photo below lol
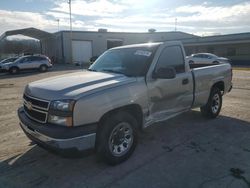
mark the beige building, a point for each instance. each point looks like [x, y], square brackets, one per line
[80, 46]
[86, 44]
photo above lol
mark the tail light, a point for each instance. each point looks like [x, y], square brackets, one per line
[49, 60]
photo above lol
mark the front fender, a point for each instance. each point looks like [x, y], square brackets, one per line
[91, 108]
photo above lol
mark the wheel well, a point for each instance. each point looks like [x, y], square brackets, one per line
[44, 65]
[220, 85]
[14, 67]
[133, 109]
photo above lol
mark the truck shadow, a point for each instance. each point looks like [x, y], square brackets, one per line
[37, 167]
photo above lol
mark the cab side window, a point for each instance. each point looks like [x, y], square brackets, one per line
[24, 60]
[32, 59]
[172, 56]
[38, 59]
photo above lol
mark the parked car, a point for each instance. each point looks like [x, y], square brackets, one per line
[4, 61]
[127, 89]
[8, 60]
[206, 58]
[40, 62]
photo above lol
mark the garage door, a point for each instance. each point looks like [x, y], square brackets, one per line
[82, 51]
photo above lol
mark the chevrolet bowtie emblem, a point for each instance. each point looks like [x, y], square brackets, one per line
[29, 105]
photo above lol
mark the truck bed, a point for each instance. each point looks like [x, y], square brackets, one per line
[205, 76]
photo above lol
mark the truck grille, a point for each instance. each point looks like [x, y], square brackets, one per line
[36, 109]
[39, 103]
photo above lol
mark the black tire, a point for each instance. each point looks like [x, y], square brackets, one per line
[14, 70]
[191, 62]
[214, 104]
[43, 68]
[108, 138]
[215, 62]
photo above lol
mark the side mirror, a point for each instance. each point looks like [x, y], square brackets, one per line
[164, 73]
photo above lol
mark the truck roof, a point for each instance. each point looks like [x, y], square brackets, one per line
[138, 45]
[148, 44]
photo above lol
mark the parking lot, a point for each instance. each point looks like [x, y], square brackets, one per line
[187, 151]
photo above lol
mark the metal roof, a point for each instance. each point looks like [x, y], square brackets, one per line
[30, 32]
[230, 38]
[169, 34]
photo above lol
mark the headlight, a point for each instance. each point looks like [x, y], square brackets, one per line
[61, 112]
[63, 105]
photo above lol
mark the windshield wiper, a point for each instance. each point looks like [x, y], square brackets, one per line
[113, 71]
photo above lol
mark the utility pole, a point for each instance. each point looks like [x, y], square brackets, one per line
[70, 18]
[58, 23]
[70, 23]
[175, 24]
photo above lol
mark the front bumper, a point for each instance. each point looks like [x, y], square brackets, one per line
[56, 137]
[2, 69]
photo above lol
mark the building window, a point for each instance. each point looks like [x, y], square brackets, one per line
[111, 43]
[231, 52]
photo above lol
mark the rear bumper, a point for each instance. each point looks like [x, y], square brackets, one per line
[64, 142]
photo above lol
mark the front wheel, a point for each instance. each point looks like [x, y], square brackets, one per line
[43, 68]
[117, 138]
[13, 70]
[213, 106]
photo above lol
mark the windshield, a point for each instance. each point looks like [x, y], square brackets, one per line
[7, 60]
[128, 61]
[18, 59]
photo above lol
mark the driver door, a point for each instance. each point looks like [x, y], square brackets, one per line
[24, 63]
[168, 97]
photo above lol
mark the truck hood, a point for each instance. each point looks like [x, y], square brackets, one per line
[75, 85]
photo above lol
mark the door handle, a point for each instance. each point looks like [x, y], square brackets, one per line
[185, 81]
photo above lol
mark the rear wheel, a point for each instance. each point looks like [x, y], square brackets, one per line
[14, 70]
[117, 138]
[215, 62]
[213, 106]
[43, 68]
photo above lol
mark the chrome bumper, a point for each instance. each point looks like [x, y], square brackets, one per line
[79, 143]
[76, 143]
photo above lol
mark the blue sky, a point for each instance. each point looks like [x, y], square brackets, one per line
[193, 16]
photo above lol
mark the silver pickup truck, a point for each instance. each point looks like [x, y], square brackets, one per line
[127, 89]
